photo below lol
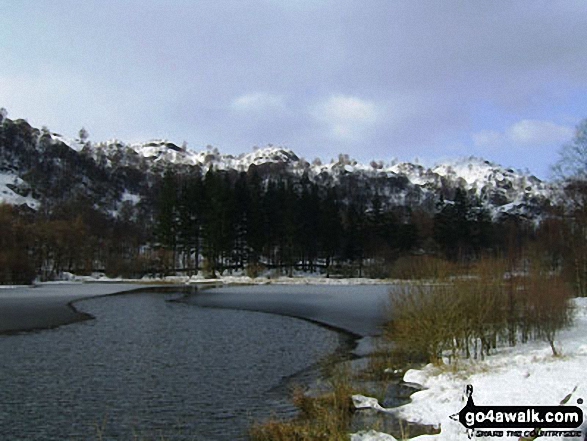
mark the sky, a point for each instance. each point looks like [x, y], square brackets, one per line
[375, 79]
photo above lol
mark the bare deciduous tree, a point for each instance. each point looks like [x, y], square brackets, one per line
[572, 164]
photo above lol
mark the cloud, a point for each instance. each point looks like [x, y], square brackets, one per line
[533, 132]
[305, 72]
[258, 102]
[524, 133]
[347, 117]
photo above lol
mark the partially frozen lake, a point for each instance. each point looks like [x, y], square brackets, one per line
[172, 370]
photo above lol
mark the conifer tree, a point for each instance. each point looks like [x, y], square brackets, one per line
[355, 235]
[330, 228]
[167, 217]
[190, 220]
[255, 223]
[308, 218]
[462, 227]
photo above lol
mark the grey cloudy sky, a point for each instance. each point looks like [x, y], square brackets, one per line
[377, 79]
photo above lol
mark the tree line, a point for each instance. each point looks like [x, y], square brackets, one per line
[190, 220]
[229, 220]
[226, 220]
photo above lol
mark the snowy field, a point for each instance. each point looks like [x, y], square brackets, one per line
[526, 375]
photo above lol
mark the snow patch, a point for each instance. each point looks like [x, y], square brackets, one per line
[73, 144]
[371, 435]
[527, 374]
[9, 182]
[363, 402]
[130, 197]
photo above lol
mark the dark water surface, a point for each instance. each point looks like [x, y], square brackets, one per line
[151, 369]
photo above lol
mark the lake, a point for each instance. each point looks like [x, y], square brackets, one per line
[149, 368]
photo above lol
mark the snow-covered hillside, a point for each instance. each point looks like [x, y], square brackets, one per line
[14, 191]
[164, 152]
[100, 166]
[503, 189]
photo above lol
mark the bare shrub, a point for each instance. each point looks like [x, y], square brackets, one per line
[547, 308]
[469, 316]
[254, 270]
[377, 270]
[128, 268]
[420, 323]
[422, 268]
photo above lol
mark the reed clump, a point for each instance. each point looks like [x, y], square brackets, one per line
[325, 417]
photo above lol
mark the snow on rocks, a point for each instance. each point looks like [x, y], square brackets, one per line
[524, 375]
[501, 189]
[363, 402]
[15, 191]
[371, 435]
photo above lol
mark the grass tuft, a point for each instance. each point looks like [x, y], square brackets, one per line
[325, 417]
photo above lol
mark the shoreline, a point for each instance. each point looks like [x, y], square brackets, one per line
[527, 374]
[37, 308]
[40, 307]
[185, 299]
[25, 309]
[43, 307]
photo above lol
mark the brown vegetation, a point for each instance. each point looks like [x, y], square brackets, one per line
[468, 316]
[423, 267]
[322, 418]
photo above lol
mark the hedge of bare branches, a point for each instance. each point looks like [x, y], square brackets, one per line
[469, 316]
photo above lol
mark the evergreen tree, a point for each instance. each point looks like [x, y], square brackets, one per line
[308, 219]
[462, 227]
[288, 241]
[190, 220]
[219, 220]
[167, 217]
[255, 222]
[355, 235]
[330, 228]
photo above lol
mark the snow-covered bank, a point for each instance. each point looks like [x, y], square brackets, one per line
[525, 375]
[299, 278]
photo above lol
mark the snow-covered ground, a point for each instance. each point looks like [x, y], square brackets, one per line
[525, 375]
[236, 278]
